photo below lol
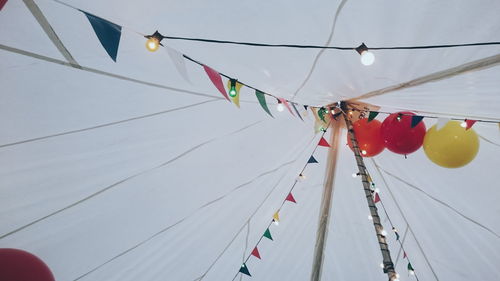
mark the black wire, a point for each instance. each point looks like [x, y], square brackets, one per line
[254, 44]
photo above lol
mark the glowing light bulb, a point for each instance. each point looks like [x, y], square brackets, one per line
[397, 275]
[152, 44]
[377, 190]
[280, 107]
[411, 272]
[383, 232]
[367, 58]
[463, 124]
[370, 217]
[232, 88]
[302, 177]
[276, 222]
[354, 175]
[381, 265]
[363, 152]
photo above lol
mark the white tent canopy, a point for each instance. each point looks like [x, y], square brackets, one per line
[126, 171]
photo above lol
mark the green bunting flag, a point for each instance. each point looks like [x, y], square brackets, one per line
[372, 115]
[321, 114]
[244, 270]
[267, 234]
[415, 119]
[262, 101]
[410, 267]
[108, 33]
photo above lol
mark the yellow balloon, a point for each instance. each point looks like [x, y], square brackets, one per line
[451, 146]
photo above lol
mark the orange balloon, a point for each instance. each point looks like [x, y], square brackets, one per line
[369, 138]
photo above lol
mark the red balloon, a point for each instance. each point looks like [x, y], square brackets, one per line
[18, 265]
[370, 140]
[399, 136]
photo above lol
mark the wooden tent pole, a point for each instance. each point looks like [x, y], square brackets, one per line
[326, 202]
[384, 249]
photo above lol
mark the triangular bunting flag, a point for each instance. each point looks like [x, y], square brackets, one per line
[285, 103]
[415, 119]
[410, 267]
[323, 142]
[179, 62]
[2, 3]
[404, 255]
[469, 123]
[305, 107]
[441, 122]
[321, 114]
[296, 111]
[312, 160]
[108, 33]
[244, 270]
[256, 253]
[376, 198]
[290, 198]
[262, 100]
[276, 216]
[397, 235]
[216, 80]
[267, 234]
[372, 115]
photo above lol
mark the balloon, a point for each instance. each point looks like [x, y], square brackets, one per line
[18, 265]
[370, 140]
[451, 146]
[399, 136]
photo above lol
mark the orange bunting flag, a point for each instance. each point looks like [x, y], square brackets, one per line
[256, 253]
[216, 80]
[323, 142]
[377, 198]
[469, 123]
[290, 198]
[285, 103]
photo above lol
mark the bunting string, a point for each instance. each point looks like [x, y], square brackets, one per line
[290, 198]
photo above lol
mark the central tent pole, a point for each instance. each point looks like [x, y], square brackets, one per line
[326, 203]
[384, 249]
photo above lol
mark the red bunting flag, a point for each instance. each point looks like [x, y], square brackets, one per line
[290, 198]
[216, 80]
[377, 198]
[2, 3]
[256, 253]
[469, 123]
[404, 255]
[323, 142]
[285, 103]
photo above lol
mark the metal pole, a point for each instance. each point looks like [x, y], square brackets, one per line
[326, 202]
[384, 249]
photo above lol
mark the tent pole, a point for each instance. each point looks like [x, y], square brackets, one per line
[326, 202]
[384, 248]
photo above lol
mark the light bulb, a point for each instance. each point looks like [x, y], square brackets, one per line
[354, 175]
[276, 222]
[383, 232]
[397, 275]
[377, 190]
[232, 88]
[463, 124]
[280, 107]
[370, 217]
[302, 177]
[363, 152]
[152, 44]
[381, 265]
[367, 58]
[411, 272]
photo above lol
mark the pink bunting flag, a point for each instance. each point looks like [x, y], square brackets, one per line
[285, 103]
[217, 80]
[404, 255]
[290, 198]
[256, 253]
[469, 123]
[2, 3]
[376, 198]
[323, 142]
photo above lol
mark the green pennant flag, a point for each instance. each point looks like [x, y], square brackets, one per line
[415, 119]
[262, 101]
[372, 115]
[244, 270]
[410, 267]
[267, 234]
[321, 114]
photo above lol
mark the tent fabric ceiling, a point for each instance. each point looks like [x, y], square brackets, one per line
[111, 179]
